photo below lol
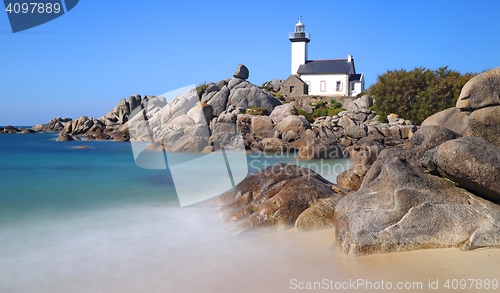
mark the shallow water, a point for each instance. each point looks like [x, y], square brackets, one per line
[90, 220]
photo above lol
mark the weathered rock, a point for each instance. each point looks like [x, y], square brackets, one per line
[405, 209]
[260, 123]
[28, 131]
[356, 132]
[281, 111]
[220, 84]
[423, 140]
[290, 136]
[37, 127]
[485, 123]
[470, 162]
[241, 72]
[219, 101]
[252, 97]
[121, 136]
[102, 136]
[319, 216]
[451, 118]
[275, 145]
[193, 144]
[298, 124]
[227, 117]
[352, 178]
[64, 137]
[10, 129]
[346, 122]
[273, 197]
[481, 91]
[88, 137]
[274, 84]
[364, 102]
[318, 148]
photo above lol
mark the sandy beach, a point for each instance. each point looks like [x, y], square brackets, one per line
[185, 250]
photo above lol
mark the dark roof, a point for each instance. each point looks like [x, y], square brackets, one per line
[325, 66]
[355, 77]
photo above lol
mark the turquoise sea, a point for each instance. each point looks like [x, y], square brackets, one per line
[90, 220]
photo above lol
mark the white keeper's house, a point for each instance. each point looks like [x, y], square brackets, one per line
[333, 77]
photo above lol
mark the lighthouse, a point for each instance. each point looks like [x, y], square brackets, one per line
[300, 38]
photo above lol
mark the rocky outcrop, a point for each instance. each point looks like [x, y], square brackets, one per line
[451, 118]
[10, 129]
[64, 137]
[253, 96]
[273, 198]
[477, 109]
[365, 102]
[274, 84]
[439, 190]
[241, 72]
[470, 162]
[56, 124]
[481, 91]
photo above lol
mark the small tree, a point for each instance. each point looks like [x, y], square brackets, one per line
[417, 94]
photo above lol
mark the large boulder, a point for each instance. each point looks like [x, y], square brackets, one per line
[399, 207]
[485, 123]
[365, 102]
[404, 209]
[241, 72]
[252, 97]
[219, 101]
[273, 197]
[10, 129]
[274, 84]
[298, 124]
[64, 137]
[481, 91]
[318, 148]
[352, 178]
[470, 162]
[260, 123]
[451, 118]
[281, 111]
[187, 143]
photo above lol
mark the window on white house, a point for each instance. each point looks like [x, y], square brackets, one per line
[322, 86]
[353, 87]
[339, 86]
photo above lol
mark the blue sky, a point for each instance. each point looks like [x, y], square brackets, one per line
[84, 62]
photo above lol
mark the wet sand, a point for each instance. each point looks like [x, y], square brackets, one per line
[157, 249]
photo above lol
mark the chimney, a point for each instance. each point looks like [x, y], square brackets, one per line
[349, 58]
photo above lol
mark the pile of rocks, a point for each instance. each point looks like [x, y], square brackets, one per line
[192, 123]
[438, 189]
[11, 129]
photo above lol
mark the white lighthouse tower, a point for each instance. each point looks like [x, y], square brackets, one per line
[300, 38]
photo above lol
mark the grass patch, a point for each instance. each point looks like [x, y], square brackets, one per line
[259, 111]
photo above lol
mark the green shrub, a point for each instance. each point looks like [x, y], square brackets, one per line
[320, 104]
[265, 87]
[336, 111]
[308, 116]
[201, 89]
[336, 105]
[417, 94]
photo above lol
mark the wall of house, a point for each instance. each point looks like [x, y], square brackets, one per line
[299, 55]
[314, 80]
[357, 88]
[299, 89]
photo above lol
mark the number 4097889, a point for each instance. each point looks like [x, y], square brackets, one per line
[34, 8]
